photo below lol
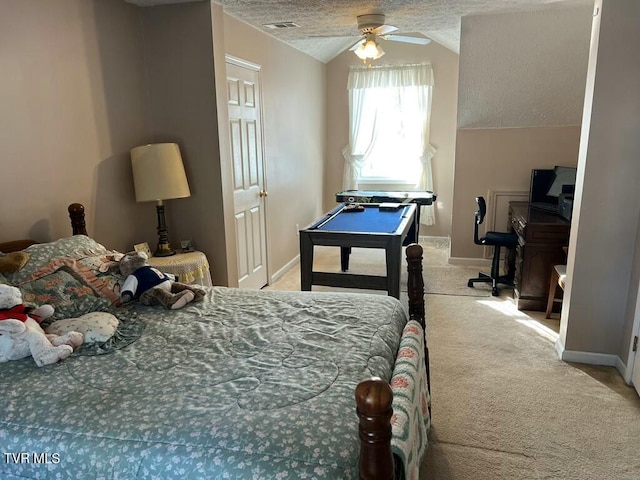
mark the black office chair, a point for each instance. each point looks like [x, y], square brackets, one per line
[497, 239]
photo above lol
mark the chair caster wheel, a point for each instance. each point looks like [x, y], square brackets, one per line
[495, 292]
[470, 284]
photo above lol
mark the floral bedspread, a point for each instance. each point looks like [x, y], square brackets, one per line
[247, 384]
[411, 418]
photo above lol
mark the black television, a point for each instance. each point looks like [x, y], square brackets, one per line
[548, 184]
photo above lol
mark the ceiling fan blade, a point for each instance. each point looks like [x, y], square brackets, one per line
[356, 45]
[333, 36]
[407, 39]
[384, 29]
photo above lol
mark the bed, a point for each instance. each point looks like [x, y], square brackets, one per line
[246, 384]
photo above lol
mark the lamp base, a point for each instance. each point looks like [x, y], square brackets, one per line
[164, 250]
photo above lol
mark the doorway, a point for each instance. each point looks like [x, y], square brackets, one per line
[249, 191]
[633, 360]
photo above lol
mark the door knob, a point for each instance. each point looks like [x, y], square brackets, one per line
[263, 193]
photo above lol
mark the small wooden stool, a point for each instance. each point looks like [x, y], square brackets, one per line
[558, 277]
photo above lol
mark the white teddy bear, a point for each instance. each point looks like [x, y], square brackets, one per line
[22, 336]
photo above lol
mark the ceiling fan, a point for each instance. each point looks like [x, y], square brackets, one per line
[372, 27]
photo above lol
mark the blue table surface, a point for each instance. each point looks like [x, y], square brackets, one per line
[389, 194]
[370, 220]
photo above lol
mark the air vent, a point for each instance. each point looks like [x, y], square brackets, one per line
[274, 26]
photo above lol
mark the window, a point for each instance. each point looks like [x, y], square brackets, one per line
[389, 109]
[397, 142]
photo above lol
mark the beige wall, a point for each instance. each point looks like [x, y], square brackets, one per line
[87, 81]
[185, 46]
[500, 160]
[443, 109]
[293, 94]
[603, 268]
[72, 96]
[179, 61]
[522, 80]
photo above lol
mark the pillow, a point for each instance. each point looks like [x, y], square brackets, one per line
[96, 326]
[41, 254]
[67, 274]
[69, 296]
[104, 268]
[12, 262]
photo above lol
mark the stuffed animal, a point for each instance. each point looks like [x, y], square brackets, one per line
[21, 335]
[12, 262]
[151, 286]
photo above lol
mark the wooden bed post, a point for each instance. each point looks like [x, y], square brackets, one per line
[76, 214]
[373, 398]
[415, 290]
[415, 283]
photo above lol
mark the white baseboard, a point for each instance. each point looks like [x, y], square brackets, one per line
[559, 348]
[470, 262]
[432, 238]
[590, 358]
[288, 266]
[622, 368]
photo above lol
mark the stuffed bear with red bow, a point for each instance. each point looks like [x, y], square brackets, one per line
[21, 335]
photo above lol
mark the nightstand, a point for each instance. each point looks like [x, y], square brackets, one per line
[189, 267]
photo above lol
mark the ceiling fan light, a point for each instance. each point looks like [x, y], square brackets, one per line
[360, 52]
[370, 49]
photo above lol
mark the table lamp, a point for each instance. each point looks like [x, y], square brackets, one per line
[158, 174]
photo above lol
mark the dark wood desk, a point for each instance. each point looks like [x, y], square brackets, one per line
[541, 238]
[371, 228]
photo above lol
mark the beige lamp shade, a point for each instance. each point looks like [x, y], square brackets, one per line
[158, 172]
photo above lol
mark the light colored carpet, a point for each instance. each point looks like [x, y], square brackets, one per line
[450, 280]
[504, 406]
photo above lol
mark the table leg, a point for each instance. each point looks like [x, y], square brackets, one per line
[393, 252]
[306, 261]
[344, 258]
[417, 224]
[413, 235]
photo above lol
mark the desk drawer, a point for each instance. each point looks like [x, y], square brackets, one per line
[547, 235]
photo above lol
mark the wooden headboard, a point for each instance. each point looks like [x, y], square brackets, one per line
[15, 245]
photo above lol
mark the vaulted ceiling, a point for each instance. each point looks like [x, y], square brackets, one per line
[325, 28]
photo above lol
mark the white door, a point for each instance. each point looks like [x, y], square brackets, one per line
[633, 360]
[243, 91]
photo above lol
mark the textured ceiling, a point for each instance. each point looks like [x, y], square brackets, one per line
[335, 20]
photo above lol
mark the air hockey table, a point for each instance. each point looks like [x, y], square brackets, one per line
[422, 197]
[369, 226]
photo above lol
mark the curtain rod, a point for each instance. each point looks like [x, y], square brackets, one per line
[404, 65]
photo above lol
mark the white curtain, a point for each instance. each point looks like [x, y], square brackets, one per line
[362, 125]
[414, 84]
